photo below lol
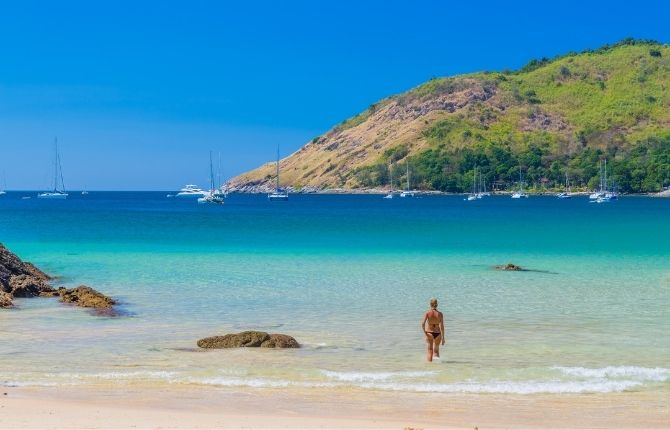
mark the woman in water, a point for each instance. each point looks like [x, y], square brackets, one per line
[435, 331]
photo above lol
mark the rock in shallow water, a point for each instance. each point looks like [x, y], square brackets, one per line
[510, 267]
[249, 339]
[85, 297]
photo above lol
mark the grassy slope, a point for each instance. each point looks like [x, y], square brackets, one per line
[549, 118]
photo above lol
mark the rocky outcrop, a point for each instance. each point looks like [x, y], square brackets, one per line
[249, 339]
[22, 279]
[510, 267]
[86, 297]
[5, 300]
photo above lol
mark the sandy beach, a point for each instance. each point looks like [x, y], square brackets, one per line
[154, 407]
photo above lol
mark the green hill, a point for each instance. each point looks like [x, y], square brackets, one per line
[551, 117]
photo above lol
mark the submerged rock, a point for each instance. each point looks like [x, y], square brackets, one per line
[249, 339]
[85, 297]
[510, 267]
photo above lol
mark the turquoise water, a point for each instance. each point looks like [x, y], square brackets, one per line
[349, 276]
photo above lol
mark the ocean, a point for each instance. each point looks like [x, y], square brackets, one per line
[349, 276]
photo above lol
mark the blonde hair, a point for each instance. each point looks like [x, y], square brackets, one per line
[433, 303]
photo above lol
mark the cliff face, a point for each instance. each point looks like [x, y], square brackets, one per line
[550, 118]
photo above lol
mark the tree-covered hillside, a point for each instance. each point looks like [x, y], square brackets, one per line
[550, 118]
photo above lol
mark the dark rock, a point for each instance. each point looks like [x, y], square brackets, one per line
[19, 278]
[249, 339]
[245, 339]
[5, 300]
[85, 297]
[22, 279]
[28, 286]
[280, 341]
[510, 267]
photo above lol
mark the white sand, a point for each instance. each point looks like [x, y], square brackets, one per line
[156, 407]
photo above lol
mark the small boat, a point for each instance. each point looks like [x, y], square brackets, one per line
[211, 197]
[407, 192]
[191, 191]
[390, 193]
[4, 184]
[520, 194]
[84, 192]
[565, 194]
[279, 194]
[57, 193]
[475, 188]
[25, 198]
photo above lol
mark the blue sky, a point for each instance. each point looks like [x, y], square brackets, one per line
[138, 92]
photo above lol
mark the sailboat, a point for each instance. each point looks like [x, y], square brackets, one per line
[84, 191]
[520, 194]
[4, 184]
[279, 194]
[219, 191]
[565, 194]
[211, 197]
[58, 175]
[600, 193]
[604, 194]
[475, 187]
[390, 193]
[481, 192]
[407, 192]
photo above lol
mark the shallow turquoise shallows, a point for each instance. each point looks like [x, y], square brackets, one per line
[349, 276]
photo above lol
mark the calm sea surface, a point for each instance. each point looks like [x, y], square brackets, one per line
[349, 276]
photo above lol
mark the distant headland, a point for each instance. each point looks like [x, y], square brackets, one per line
[552, 118]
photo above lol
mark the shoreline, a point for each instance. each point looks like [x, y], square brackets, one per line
[189, 407]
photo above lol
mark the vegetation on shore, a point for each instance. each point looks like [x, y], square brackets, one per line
[549, 118]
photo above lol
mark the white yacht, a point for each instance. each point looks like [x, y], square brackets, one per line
[279, 194]
[191, 191]
[58, 193]
[520, 194]
[407, 192]
[565, 194]
[211, 197]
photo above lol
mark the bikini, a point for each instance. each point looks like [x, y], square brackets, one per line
[435, 334]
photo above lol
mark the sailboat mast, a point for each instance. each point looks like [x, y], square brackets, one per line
[211, 173]
[218, 173]
[407, 163]
[277, 186]
[391, 176]
[55, 164]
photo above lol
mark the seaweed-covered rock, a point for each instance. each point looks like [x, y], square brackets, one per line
[5, 300]
[85, 297]
[249, 339]
[280, 341]
[510, 267]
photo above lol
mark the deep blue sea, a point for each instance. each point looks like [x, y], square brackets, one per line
[349, 276]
